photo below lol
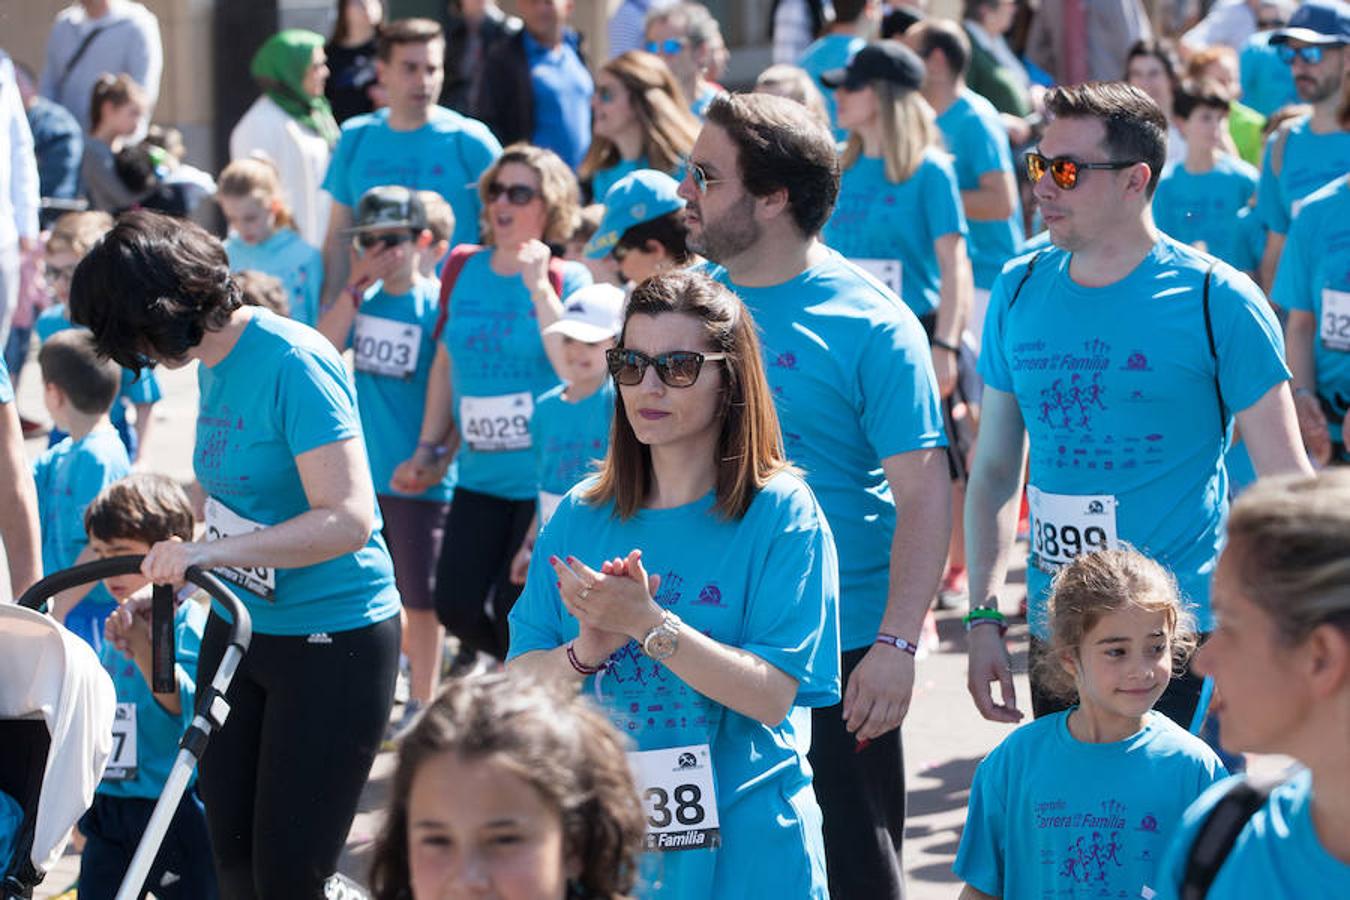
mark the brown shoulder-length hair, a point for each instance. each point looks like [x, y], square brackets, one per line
[557, 186]
[750, 445]
[668, 127]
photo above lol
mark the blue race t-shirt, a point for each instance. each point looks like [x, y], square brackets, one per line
[1278, 850]
[570, 437]
[1053, 816]
[604, 179]
[1117, 390]
[1205, 207]
[280, 392]
[68, 477]
[498, 366]
[562, 89]
[767, 584]
[830, 51]
[852, 379]
[699, 105]
[143, 773]
[393, 342]
[1309, 162]
[6, 386]
[284, 255]
[1314, 277]
[876, 219]
[975, 135]
[447, 155]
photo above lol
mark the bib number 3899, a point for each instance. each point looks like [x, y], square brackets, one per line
[678, 797]
[1065, 526]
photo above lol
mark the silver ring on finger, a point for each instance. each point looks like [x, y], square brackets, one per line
[584, 591]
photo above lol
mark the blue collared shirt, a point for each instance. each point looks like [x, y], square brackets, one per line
[562, 98]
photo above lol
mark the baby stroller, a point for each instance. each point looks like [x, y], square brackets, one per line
[57, 707]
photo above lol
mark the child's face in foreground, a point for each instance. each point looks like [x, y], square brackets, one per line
[1123, 664]
[476, 829]
[120, 586]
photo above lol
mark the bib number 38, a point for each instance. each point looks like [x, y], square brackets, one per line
[1065, 526]
[678, 797]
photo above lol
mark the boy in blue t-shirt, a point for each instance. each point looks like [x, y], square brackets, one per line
[572, 421]
[128, 518]
[79, 387]
[1202, 199]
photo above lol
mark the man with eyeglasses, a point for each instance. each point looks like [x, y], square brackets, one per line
[686, 36]
[853, 381]
[412, 143]
[1115, 360]
[1308, 152]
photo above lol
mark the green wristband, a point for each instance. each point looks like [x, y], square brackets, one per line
[981, 615]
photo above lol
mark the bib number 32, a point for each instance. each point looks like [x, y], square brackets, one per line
[678, 797]
[1065, 526]
[1335, 331]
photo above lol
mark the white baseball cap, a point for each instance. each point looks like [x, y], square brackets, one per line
[591, 314]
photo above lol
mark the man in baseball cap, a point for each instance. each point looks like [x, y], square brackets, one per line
[642, 227]
[1320, 23]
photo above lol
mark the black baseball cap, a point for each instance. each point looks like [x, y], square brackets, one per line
[878, 61]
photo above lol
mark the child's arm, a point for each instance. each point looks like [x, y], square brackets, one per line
[969, 893]
[144, 415]
[128, 628]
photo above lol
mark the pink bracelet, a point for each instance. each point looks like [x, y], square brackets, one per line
[898, 643]
[580, 667]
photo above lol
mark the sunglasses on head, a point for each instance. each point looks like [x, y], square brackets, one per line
[390, 240]
[516, 194]
[677, 369]
[1065, 169]
[669, 47]
[1312, 54]
[699, 175]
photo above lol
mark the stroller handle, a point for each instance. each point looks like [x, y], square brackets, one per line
[241, 629]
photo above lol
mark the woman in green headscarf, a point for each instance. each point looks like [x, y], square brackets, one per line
[291, 124]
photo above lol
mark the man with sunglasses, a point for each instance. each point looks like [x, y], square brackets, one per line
[686, 36]
[1310, 151]
[1115, 361]
[852, 377]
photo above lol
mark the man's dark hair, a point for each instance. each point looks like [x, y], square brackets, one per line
[141, 507]
[70, 361]
[669, 231]
[900, 19]
[152, 285]
[1193, 95]
[946, 36]
[846, 12]
[1136, 129]
[781, 146]
[406, 31]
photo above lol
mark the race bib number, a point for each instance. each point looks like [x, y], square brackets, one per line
[548, 505]
[1064, 526]
[221, 522]
[676, 785]
[386, 347]
[888, 271]
[122, 763]
[1335, 319]
[497, 424]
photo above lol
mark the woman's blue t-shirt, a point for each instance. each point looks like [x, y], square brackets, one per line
[767, 584]
[280, 392]
[498, 366]
[878, 219]
[286, 256]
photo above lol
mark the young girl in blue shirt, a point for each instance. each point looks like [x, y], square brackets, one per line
[1081, 803]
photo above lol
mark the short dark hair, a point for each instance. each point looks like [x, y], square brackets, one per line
[946, 36]
[847, 12]
[669, 231]
[71, 361]
[406, 31]
[141, 507]
[781, 146]
[1193, 95]
[153, 285]
[1136, 128]
[900, 19]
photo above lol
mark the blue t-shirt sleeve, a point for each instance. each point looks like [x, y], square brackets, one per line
[1270, 205]
[537, 617]
[993, 365]
[1172, 870]
[942, 202]
[1291, 289]
[314, 402]
[987, 150]
[575, 277]
[335, 180]
[141, 386]
[1247, 338]
[901, 409]
[791, 619]
[980, 859]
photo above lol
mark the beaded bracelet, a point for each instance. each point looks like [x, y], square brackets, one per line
[981, 615]
[580, 667]
[898, 643]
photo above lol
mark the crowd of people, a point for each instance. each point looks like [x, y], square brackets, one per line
[629, 429]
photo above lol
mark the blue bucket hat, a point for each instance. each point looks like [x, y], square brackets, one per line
[635, 198]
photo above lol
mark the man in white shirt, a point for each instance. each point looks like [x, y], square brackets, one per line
[18, 192]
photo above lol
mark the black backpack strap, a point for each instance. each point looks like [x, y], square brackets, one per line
[1026, 273]
[1219, 833]
[79, 53]
[1214, 354]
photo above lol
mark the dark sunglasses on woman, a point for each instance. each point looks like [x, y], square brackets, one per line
[516, 194]
[677, 369]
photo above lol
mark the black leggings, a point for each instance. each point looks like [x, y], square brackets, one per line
[474, 593]
[282, 778]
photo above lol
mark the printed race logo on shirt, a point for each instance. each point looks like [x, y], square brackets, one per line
[676, 785]
[386, 347]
